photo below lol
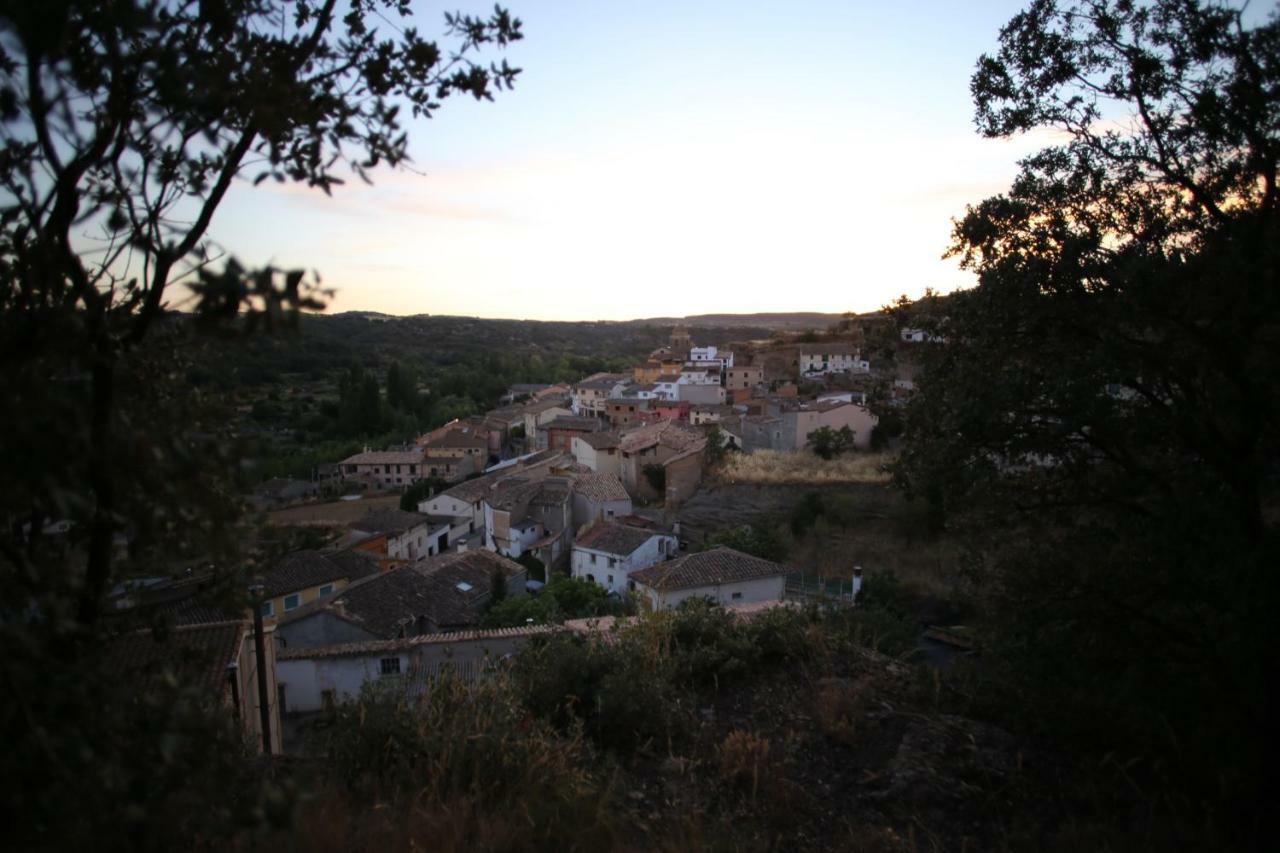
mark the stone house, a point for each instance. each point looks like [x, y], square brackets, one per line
[598, 451]
[599, 496]
[407, 535]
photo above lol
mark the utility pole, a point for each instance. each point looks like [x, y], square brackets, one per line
[260, 650]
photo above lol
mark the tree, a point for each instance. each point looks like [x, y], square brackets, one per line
[717, 447]
[830, 443]
[124, 123]
[1105, 402]
[656, 475]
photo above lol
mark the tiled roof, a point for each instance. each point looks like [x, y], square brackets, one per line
[600, 440]
[459, 438]
[371, 647]
[669, 433]
[388, 520]
[304, 569]
[600, 487]
[602, 382]
[392, 601]
[582, 424]
[708, 568]
[200, 653]
[614, 538]
[476, 489]
[539, 406]
[385, 457]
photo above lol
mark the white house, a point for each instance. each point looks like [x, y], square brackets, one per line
[722, 576]
[832, 359]
[608, 553]
[709, 355]
[315, 679]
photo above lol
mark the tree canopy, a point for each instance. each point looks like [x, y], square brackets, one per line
[1105, 399]
[123, 124]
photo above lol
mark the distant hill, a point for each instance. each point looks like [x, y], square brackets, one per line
[792, 320]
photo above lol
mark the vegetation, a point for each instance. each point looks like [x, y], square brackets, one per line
[1102, 419]
[562, 598]
[829, 443]
[770, 467]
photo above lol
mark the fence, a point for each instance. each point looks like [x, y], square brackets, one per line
[802, 585]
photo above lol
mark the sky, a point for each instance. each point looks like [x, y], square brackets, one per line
[667, 159]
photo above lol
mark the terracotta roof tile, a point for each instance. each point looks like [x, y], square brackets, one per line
[708, 568]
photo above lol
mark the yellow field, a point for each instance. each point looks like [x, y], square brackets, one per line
[768, 467]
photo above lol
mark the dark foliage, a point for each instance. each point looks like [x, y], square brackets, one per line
[1102, 417]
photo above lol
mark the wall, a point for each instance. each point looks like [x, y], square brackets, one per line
[683, 477]
[655, 550]
[701, 394]
[247, 688]
[306, 679]
[586, 510]
[761, 589]
[306, 596]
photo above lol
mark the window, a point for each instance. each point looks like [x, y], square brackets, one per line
[389, 666]
[327, 589]
[610, 580]
[593, 559]
[612, 562]
[737, 595]
[268, 609]
[291, 602]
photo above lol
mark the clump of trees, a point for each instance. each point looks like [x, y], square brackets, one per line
[830, 443]
[1102, 418]
[123, 126]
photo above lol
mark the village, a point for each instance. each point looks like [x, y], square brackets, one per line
[582, 481]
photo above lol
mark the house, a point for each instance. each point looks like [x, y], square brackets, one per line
[530, 517]
[385, 469]
[560, 432]
[461, 442]
[832, 358]
[317, 678]
[597, 496]
[304, 576]
[217, 658]
[451, 467]
[521, 391]
[442, 593]
[465, 501]
[711, 355]
[785, 425]
[700, 393]
[675, 447]
[541, 412]
[709, 414]
[721, 575]
[398, 535]
[608, 552]
[743, 377]
[598, 451]
[623, 410]
[590, 394]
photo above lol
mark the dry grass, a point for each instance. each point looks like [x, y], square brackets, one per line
[800, 467]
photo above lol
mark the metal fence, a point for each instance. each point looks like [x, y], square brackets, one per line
[803, 585]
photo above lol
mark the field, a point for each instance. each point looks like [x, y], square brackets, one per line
[800, 467]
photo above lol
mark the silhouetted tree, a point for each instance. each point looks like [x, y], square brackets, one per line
[1103, 410]
[123, 125]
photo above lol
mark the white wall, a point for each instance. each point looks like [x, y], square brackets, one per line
[655, 550]
[761, 589]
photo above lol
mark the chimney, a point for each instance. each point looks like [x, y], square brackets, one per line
[856, 584]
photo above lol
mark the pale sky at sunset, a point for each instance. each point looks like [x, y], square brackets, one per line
[668, 158]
